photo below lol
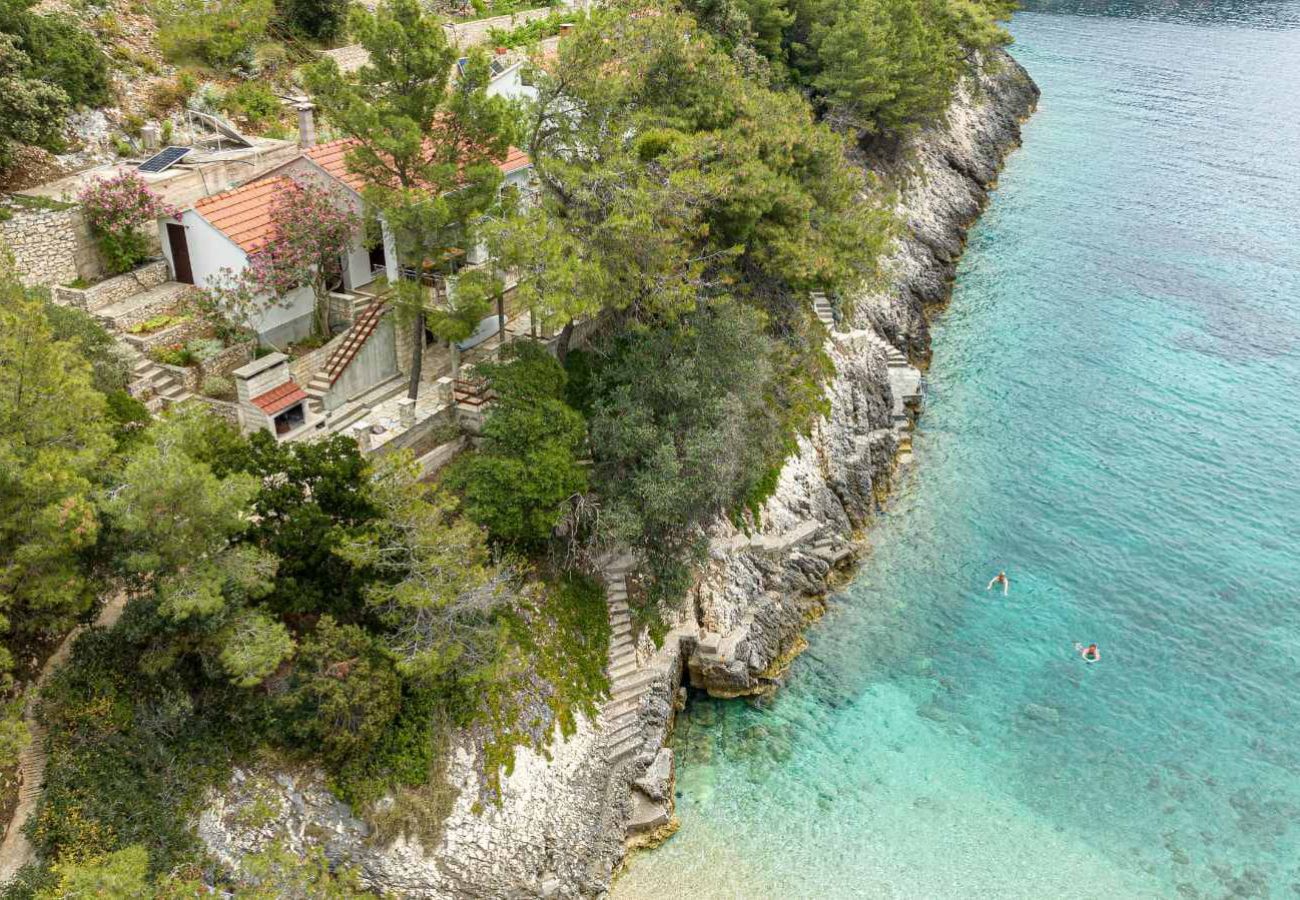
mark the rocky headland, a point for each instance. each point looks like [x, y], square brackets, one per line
[564, 824]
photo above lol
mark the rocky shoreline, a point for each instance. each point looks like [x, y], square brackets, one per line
[564, 825]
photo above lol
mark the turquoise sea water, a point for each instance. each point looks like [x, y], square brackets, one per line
[1114, 417]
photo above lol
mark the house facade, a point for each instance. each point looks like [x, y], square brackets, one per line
[218, 236]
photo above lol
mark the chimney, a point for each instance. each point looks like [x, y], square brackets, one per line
[306, 125]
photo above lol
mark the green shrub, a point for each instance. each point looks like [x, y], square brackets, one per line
[58, 52]
[529, 32]
[221, 33]
[254, 101]
[320, 20]
[204, 349]
[132, 753]
[109, 367]
[155, 323]
[218, 388]
[174, 355]
[517, 484]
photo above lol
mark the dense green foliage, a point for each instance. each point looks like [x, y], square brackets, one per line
[53, 438]
[58, 51]
[880, 67]
[221, 33]
[702, 209]
[526, 470]
[272, 874]
[319, 20]
[31, 111]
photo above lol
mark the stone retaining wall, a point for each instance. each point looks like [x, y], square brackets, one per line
[469, 34]
[51, 246]
[115, 289]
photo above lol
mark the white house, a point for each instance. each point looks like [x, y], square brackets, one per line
[220, 234]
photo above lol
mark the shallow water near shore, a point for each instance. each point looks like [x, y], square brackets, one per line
[1114, 417]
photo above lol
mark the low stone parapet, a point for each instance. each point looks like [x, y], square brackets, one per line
[112, 290]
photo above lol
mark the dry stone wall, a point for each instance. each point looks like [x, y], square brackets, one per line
[50, 246]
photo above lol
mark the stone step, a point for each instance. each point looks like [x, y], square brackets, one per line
[621, 705]
[629, 728]
[620, 618]
[625, 750]
[634, 685]
[172, 334]
[145, 305]
[623, 670]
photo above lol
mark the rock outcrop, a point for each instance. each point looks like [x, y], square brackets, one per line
[757, 593]
[563, 825]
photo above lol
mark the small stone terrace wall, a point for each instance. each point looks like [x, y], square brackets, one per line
[115, 289]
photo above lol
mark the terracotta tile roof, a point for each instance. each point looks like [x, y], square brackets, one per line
[332, 157]
[363, 326]
[515, 160]
[244, 214]
[278, 399]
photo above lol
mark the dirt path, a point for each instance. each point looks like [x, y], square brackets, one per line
[16, 851]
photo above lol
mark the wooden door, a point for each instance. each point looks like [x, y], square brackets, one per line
[180, 253]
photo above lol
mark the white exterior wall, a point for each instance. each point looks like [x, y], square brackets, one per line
[510, 84]
[211, 252]
[390, 253]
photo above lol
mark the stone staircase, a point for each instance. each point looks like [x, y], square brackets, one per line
[31, 769]
[905, 383]
[825, 312]
[364, 323]
[150, 383]
[619, 718]
[358, 408]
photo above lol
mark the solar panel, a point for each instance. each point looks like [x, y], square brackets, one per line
[163, 160]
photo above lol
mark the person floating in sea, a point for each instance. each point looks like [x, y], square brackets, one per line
[1002, 579]
[1089, 653]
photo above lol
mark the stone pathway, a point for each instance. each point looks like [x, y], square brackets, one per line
[905, 383]
[16, 851]
[627, 681]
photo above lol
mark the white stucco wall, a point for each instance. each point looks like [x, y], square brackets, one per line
[510, 84]
[211, 251]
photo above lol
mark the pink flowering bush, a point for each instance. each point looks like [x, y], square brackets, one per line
[312, 232]
[116, 209]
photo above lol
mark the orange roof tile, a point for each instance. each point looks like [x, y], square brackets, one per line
[278, 399]
[244, 214]
[515, 160]
[332, 157]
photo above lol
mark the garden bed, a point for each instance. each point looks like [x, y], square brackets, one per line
[218, 365]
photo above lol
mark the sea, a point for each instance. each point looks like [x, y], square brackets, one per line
[1113, 417]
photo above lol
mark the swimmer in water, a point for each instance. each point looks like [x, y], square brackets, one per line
[1002, 579]
[1089, 653]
